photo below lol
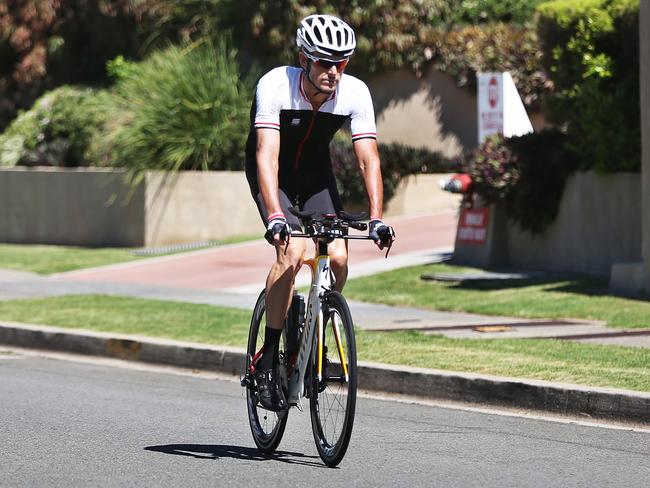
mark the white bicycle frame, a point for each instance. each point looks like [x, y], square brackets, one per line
[321, 282]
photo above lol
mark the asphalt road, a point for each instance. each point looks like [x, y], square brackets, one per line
[104, 423]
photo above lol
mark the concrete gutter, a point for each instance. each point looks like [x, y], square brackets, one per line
[560, 398]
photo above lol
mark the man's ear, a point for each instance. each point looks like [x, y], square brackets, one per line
[302, 59]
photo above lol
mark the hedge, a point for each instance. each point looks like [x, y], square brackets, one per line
[591, 50]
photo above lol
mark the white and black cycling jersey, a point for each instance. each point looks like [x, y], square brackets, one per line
[280, 103]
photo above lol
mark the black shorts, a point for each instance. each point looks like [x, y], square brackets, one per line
[320, 201]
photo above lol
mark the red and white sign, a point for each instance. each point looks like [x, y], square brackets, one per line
[473, 226]
[500, 109]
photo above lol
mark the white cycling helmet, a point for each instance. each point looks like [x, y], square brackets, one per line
[326, 36]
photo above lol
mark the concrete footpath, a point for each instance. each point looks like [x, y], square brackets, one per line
[230, 276]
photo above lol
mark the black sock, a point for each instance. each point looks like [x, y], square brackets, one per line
[271, 356]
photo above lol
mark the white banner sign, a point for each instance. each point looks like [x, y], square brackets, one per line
[500, 109]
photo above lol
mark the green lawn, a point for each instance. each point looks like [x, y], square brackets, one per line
[57, 259]
[565, 361]
[544, 297]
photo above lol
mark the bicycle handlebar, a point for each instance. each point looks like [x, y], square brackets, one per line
[330, 225]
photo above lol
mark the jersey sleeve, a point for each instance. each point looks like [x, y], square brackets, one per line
[362, 119]
[268, 102]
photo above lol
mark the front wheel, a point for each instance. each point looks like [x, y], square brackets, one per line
[333, 398]
[267, 427]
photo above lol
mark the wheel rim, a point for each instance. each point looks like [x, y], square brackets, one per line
[266, 425]
[332, 403]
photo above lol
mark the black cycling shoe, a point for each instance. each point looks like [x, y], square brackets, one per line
[269, 390]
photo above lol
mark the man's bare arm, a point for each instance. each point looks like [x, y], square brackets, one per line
[370, 167]
[267, 154]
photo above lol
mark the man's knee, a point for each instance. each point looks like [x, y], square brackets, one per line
[291, 256]
[339, 257]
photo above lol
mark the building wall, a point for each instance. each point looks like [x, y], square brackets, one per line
[599, 224]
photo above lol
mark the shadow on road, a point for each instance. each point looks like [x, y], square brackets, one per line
[206, 451]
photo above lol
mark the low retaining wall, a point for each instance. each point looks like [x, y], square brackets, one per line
[598, 225]
[94, 207]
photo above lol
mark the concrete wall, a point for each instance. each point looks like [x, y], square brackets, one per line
[69, 207]
[90, 207]
[599, 224]
[197, 206]
[644, 39]
[420, 194]
[429, 112]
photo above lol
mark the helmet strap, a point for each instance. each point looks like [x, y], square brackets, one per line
[307, 70]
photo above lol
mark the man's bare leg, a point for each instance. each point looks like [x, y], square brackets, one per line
[338, 251]
[279, 283]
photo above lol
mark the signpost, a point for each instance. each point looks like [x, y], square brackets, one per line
[500, 109]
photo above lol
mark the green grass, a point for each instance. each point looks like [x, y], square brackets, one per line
[544, 297]
[58, 259]
[595, 365]
[126, 315]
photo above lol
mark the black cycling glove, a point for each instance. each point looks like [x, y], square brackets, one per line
[382, 234]
[277, 224]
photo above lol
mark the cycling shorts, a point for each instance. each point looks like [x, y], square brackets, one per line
[323, 200]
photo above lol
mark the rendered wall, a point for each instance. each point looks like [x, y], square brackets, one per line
[89, 207]
[197, 206]
[429, 112]
[420, 194]
[599, 224]
[69, 207]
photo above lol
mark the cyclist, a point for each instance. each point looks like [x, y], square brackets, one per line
[296, 111]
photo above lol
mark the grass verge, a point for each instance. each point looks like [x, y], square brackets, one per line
[587, 364]
[543, 297]
[58, 259]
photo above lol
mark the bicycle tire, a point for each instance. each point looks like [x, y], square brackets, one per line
[267, 427]
[333, 400]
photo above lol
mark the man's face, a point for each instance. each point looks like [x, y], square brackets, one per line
[323, 73]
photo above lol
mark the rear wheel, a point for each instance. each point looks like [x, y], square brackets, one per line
[267, 427]
[333, 399]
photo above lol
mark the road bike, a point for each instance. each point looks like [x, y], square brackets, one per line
[318, 357]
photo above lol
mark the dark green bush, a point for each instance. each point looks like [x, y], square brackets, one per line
[397, 160]
[56, 132]
[544, 166]
[526, 173]
[475, 11]
[410, 34]
[182, 108]
[463, 52]
[591, 51]
[494, 170]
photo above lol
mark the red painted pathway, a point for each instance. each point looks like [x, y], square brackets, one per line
[248, 263]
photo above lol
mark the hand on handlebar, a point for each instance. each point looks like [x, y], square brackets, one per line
[278, 230]
[382, 234]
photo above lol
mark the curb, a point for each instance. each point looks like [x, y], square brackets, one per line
[604, 403]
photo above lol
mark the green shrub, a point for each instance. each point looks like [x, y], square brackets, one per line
[466, 51]
[494, 170]
[56, 131]
[544, 166]
[475, 11]
[409, 34]
[591, 51]
[397, 160]
[183, 108]
[526, 173]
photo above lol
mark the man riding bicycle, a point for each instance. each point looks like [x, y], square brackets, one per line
[295, 114]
